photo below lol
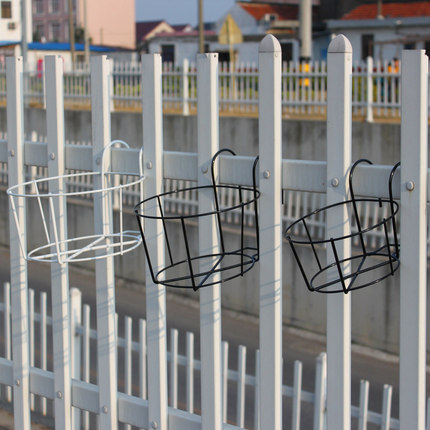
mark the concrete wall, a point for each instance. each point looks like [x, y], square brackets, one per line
[375, 310]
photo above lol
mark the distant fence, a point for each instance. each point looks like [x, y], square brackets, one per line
[376, 88]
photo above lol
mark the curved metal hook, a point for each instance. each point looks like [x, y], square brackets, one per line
[354, 206]
[102, 172]
[213, 162]
[351, 173]
[390, 191]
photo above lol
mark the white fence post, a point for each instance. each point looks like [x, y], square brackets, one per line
[105, 279]
[270, 118]
[413, 219]
[18, 265]
[155, 293]
[7, 332]
[59, 271]
[320, 392]
[337, 225]
[369, 89]
[185, 88]
[75, 346]
[210, 298]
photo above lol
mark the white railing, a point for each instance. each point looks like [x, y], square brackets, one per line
[274, 175]
[131, 348]
[375, 88]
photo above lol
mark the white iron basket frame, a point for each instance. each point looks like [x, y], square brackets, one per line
[98, 246]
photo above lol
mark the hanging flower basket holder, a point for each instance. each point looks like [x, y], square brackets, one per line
[113, 190]
[368, 266]
[186, 265]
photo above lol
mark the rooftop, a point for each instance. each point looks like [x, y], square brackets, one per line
[389, 10]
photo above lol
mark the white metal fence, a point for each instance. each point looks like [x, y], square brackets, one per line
[376, 88]
[131, 349]
[274, 175]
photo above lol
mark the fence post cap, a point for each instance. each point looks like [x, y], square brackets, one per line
[340, 45]
[270, 44]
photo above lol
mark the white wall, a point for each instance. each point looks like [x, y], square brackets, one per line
[7, 34]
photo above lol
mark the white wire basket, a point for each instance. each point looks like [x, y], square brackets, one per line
[77, 189]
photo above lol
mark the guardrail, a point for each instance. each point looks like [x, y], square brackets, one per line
[376, 88]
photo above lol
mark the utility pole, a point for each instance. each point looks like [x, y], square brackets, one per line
[71, 33]
[201, 28]
[24, 32]
[86, 38]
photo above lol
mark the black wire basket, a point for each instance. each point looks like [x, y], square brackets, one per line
[368, 266]
[186, 265]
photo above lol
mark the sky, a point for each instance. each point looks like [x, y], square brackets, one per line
[180, 11]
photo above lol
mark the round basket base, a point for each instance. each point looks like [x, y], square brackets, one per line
[205, 270]
[86, 248]
[379, 264]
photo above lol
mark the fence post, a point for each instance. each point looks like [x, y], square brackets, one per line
[155, 293]
[270, 118]
[59, 271]
[185, 88]
[105, 278]
[7, 333]
[413, 219]
[369, 89]
[338, 163]
[18, 265]
[320, 392]
[210, 298]
[75, 346]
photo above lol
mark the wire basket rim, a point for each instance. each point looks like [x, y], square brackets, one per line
[11, 190]
[349, 236]
[214, 212]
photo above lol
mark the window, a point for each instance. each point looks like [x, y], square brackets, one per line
[39, 7]
[54, 6]
[39, 33]
[410, 45]
[366, 46]
[168, 53]
[6, 9]
[54, 32]
[287, 51]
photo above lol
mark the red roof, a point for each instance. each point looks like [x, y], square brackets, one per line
[259, 10]
[390, 10]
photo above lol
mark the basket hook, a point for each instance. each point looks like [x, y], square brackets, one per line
[390, 190]
[354, 205]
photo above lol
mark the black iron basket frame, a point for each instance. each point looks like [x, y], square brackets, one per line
[391, 258]
[250, 254]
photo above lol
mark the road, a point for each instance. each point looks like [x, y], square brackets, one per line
[237, 329]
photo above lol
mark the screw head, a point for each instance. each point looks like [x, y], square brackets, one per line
[204, 169]
[12, 153]
[105, 409]
[154, 425]
[59, 395]
[266, 174]
[410, 185]
[18, 382]
[335, 182]
[52, 156]
[149, 165]
[98, 161]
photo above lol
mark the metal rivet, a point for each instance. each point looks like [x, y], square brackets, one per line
[17, 382]
[335, 182]
[12, 153]
[105, 409]
[149, 165]
[59, 394]
[266, 174]
[154, 425]
[204, 169]
[410, 185]
[52, 156]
